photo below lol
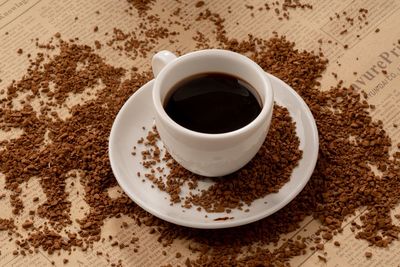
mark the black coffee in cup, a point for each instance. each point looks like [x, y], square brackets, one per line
[212, 103]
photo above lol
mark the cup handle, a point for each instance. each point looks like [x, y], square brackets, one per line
[160, 60]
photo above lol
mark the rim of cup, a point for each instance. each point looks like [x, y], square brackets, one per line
[267, 102]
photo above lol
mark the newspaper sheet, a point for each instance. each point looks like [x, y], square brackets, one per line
[357, 57]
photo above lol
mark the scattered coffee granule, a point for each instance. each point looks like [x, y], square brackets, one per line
[377, 30]
[140, 41]
[20, 51]
[65, 261]
[96, 29]
[27, 224]
[283, 10]
[322, 258]
[336, 243]
[142, 6]
[97, 44]
[368, 254]
[199, 4]
[266, 173]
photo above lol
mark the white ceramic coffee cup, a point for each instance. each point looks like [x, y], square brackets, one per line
[210, 154]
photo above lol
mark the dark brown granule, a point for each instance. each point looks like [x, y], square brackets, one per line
[178, 255]
[377, 30]
[65, 261]
[322, 258]
[20, 51]
[336, 243]
[27, 224]
[199, 4]
[368, 254]
[96, 29]
[327, 236]
[97, 44]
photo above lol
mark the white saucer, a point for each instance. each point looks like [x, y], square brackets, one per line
[138, 112]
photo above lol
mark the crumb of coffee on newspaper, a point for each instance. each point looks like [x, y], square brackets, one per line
[282, 9]
[141, 6]
[358, 165]
[266, 173]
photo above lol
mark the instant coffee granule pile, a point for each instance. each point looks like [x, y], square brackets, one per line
[355, 168]
[266, 173]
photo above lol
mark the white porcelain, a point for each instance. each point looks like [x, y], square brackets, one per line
[201, 153]
[138, 111]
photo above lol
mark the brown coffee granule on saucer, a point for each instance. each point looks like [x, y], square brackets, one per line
[266, 173]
